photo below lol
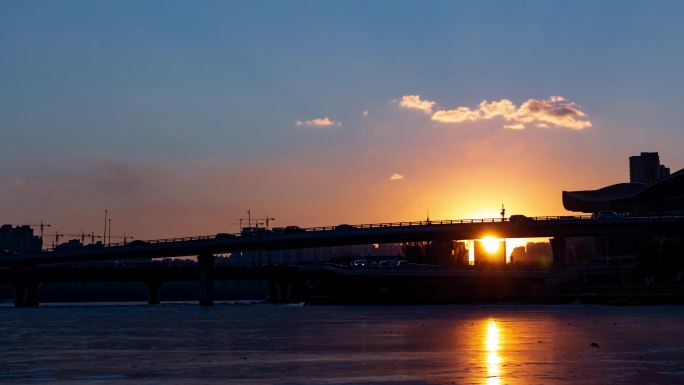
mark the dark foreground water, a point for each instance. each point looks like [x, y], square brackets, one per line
[269, 344]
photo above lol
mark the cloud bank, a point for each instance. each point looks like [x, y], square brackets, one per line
[318, 122]
[556, 111]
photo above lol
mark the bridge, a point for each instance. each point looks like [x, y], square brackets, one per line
[558, 228]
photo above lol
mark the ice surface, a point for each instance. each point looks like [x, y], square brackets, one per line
[270, 344]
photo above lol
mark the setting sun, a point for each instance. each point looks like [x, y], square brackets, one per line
[491, 244]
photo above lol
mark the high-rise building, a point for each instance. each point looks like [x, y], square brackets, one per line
[19, 239]
[664, 171]
[644, 168]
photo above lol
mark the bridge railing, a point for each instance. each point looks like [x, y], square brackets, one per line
[162, 240]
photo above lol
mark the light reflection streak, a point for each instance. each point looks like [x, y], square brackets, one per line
[492, 348]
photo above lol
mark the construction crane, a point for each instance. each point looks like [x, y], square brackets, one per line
[83, 236]
[257, 221]
[248, 219]
[266, 221]
[41, 226]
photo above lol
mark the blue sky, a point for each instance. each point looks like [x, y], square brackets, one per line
[185, 113]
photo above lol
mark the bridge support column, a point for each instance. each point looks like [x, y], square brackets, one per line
[274, 291]
[206, 279]
[153, 292]
[558, 251]
[25, 293]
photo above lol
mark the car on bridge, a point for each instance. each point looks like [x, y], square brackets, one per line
[360, 263]
[254, 231]
[520, 218]
[224, 236]
[137, 242]
[608, 215]
[288, 230]
[344, 227]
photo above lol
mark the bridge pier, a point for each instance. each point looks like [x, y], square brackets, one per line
[25, 293]
[153, 292]
[274, 291]
[206, 279]
[558, 251]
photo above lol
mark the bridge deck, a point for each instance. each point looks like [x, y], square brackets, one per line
[362, 234]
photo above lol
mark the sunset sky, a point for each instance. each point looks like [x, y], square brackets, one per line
[177, 117]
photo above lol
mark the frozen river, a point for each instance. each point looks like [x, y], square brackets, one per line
[269, 344]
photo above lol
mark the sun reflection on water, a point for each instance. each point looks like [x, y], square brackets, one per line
[492, 349]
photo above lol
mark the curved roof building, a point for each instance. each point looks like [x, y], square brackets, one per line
[663, 196]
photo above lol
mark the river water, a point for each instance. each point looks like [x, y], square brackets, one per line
[271, 344]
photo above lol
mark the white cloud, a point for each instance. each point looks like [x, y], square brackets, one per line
[457, 115]
[416, 103]
[318, 122]
[515, 126]
[555, 111]
[503, 107]
[396, 176]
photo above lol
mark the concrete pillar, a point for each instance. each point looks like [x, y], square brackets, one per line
[273, 291]
[558, 251]
[288, 291]
[206, 279]
[25, 293]
[278, 291]
[153, 292]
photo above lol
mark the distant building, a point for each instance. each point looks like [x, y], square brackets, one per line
[651, 190]
[533, 254]
[72, 244]
[439, 253]
[539, 253]
[519, 254]
[664, 171]
[19, 239]
[460, 253]
[645, 168]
